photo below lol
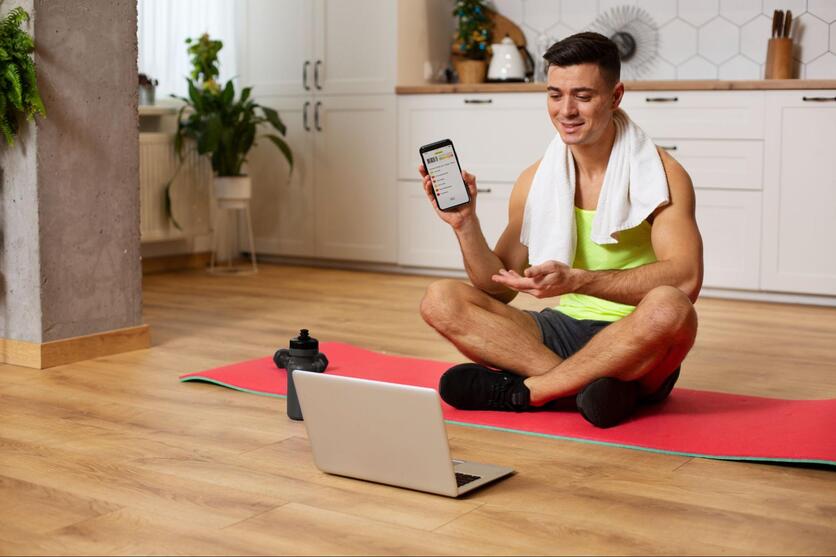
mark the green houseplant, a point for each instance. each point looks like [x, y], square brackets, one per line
[222, 126]
[474, 33]
[18, 87]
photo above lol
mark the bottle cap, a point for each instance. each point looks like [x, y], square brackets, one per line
[304, 341]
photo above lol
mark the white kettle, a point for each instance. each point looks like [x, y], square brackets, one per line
[508, 64]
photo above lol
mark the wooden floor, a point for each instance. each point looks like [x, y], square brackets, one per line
[115, 456]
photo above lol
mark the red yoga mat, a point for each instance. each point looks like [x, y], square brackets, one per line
[689, 422]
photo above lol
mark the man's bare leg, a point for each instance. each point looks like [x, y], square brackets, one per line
[646, 346]
[486, 330]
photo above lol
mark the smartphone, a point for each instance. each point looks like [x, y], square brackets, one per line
[442, 165]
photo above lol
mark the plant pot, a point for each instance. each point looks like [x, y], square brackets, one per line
[471, 71]
[232, 195]
[232, 192]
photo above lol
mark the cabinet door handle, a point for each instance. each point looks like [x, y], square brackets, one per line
[316, 74]
[668, 147]
[478, 101]
[483, 190]
[305, 116]
[661, 99]
[305, 75]
[316, 115]
[819, 99]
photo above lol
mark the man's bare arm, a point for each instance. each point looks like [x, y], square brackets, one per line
[480, 262]
[676, 242]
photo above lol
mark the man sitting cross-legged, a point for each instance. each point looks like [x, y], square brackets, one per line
[620, 211]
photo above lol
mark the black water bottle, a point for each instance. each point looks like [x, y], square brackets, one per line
[303, 354]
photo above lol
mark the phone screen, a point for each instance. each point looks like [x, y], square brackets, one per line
[443, 168]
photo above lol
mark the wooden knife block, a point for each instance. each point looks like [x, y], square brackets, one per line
[778, 59]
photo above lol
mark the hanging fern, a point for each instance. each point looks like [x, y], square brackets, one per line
[18, 86]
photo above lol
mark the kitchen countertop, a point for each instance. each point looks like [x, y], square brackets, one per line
[668, 85]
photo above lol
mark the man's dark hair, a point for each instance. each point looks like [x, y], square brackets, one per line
[586, 48]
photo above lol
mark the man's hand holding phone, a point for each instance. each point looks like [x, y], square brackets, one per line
[457, 216]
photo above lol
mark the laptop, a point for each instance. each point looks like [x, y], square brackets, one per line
[385, 433]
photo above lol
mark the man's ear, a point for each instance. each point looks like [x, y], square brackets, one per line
[618, 94]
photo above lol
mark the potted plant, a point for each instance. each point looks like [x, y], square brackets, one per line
[18, 87]
[222, 126]
[473, 37]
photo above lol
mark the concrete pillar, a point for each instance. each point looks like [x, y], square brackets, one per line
[70, 270]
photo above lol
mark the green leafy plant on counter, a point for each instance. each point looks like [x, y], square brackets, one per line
[18, 87]
[474, 28]
[222, 126]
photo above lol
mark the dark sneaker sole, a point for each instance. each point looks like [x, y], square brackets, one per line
[607, 401]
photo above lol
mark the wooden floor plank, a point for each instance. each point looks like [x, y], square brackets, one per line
[116, 456]
[304, 530]
[415, 510]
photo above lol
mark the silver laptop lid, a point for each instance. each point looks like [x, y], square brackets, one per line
[381, 432]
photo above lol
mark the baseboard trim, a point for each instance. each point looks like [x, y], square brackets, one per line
[178, 262]
[66, 351]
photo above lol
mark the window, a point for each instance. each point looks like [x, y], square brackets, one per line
[162, 29]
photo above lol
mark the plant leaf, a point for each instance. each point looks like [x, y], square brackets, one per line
[284, 148]
[273, 117]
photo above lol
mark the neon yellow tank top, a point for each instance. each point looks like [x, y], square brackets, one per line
[632, 250]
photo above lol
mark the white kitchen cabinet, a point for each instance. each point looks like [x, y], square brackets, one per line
[355, 45]
[496, 136]
[354, 178]
[427, 241]
[697, 114]
[322, 65]
[728, 164]
[283, 204]
[340, 201]
[717, 137]
[730, 222]
[799, 222]
[277, 47]
[297, 47]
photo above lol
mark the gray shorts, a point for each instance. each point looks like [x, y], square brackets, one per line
[565, 335]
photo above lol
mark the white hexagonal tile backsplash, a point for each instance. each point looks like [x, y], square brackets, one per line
[677, 42]
[719, 40]
[823, 67]
[698, 39]
[698, 12]
[824, 9]
[740, 11]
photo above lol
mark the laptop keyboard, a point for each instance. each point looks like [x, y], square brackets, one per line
[463, 479]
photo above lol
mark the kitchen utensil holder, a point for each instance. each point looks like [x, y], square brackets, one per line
[778, 59]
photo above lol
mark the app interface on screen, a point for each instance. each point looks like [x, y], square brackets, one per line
[447, 180]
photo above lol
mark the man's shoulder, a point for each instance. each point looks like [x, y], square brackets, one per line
[676, 174]
[527, 175]
[519, 195]
[524, 180]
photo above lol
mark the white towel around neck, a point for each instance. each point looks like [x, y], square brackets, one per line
[634, 186]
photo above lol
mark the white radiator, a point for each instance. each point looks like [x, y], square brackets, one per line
[190, 193]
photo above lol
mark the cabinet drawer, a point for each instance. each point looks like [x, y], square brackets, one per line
[719, 163]
[426, 241]
[730, 224]
[697, 114]
[496, 136]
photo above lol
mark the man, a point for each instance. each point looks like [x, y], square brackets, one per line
[626, 318]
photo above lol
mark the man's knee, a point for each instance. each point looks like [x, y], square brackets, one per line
[442, 301]
[667, 312]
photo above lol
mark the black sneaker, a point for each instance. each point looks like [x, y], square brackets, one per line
[608, 401]
[663, 391]
[475, 387]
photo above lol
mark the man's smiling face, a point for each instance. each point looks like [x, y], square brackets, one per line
[581, 102]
